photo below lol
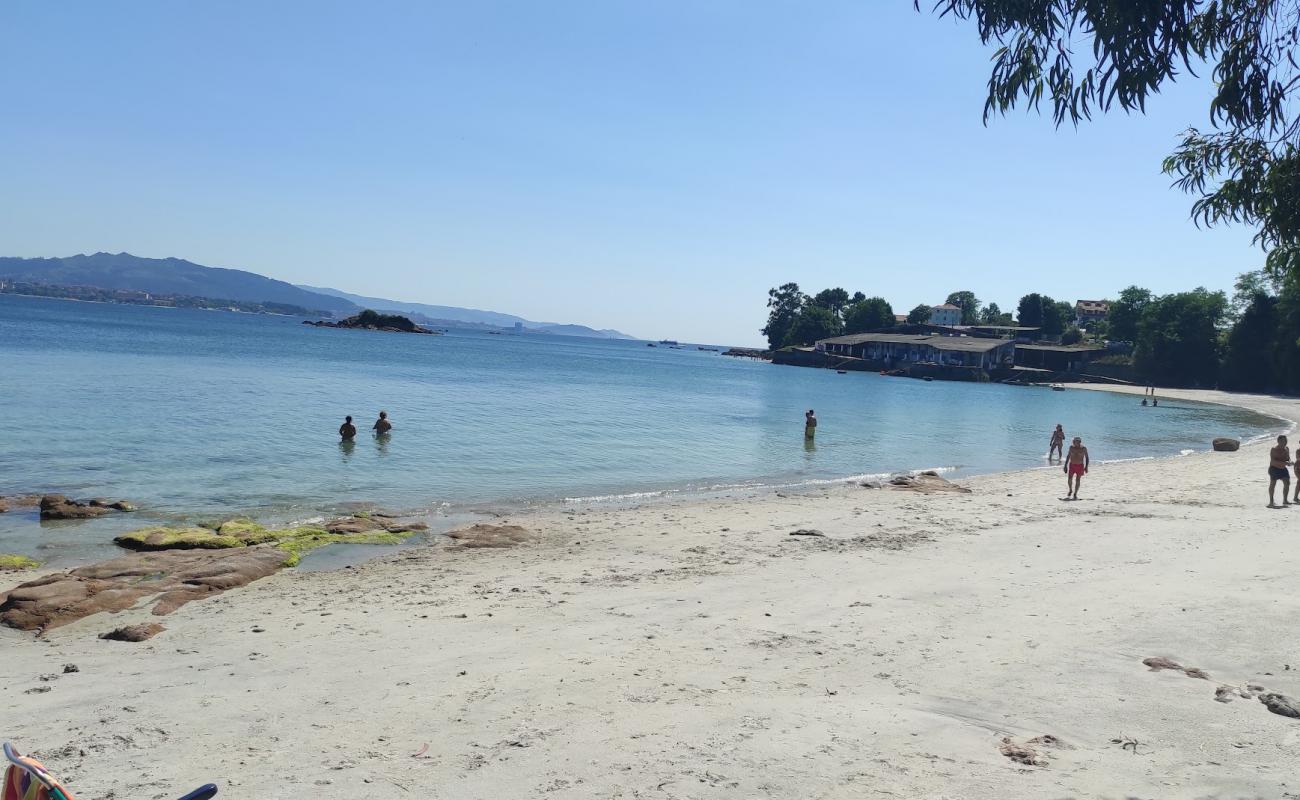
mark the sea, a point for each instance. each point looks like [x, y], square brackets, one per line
[200, 416]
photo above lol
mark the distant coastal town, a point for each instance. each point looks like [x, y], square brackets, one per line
[1194, 339]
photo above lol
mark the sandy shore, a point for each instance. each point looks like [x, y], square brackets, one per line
[695, 649]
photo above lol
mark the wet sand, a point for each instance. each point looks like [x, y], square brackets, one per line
[982, 645]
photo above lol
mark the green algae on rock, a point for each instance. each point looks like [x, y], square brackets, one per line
[13, 562]
[296, 542]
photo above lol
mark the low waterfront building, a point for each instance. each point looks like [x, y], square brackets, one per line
[946, 314]
[895, 350]
[1056, 358]
[1086, 311]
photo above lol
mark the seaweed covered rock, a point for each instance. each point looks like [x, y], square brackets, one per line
[12, 562]
[296, 541]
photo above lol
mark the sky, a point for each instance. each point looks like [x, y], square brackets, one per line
[653, 167]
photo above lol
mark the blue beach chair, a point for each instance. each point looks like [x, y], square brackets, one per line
[27, 779]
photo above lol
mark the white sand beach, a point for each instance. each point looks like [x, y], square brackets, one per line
[694, 648]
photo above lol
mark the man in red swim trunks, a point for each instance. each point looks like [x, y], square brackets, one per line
[1076, 466]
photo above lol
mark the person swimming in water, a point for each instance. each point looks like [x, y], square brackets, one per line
[347, 431]
[382, 425]
[809, 424]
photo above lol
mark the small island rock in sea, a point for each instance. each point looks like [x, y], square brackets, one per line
[374, 321]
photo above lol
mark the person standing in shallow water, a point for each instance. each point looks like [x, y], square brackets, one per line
[347, 431]
[1076, 466]
[1058, 442]
[382, 425]
[809, 424]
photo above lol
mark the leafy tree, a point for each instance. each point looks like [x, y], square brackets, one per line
[857, 297]
[969, 305]
[1057, 316]
[784, 304]
[1072, 335]
[1178, 338]
[1287, 346]
[812, 323]
[833, 300]
[1250, 347]
[1126, 312]
[1087, 55]
[869, 314]
[992, 315]
[919, 315]
[1029, 313]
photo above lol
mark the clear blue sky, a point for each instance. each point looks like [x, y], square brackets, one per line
[649, 166]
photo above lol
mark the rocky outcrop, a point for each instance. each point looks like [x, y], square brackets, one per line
[927, 482]
[57, 506]
[373, 321]
[1225, 445]
[172, 577]
[490, 536]
[377, 529]
[134, 633]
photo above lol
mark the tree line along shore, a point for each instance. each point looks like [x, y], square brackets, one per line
[1248, 341]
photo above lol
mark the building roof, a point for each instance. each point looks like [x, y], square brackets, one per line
[968, 344]
[1099, 305]
[1061, 348]
[947, 305]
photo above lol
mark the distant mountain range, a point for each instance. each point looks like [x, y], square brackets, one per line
[174, 276]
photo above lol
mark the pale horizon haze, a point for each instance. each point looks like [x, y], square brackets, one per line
[649, 167]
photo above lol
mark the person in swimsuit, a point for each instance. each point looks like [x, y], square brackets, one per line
[347, 431]
[809, 424]
[1076, 466]
[1279, 458]
[1058, 442]
[382, 425]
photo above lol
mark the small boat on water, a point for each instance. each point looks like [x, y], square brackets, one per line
[1056, 387]
[651, 344]
[668, 341]
[841, 372]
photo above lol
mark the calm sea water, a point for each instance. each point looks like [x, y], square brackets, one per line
[201, 415]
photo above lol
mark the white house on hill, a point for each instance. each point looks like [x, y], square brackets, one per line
[946, 314]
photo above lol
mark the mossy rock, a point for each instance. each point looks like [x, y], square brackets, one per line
[247, 531]
[13, 562]
[163, 538]
[300, 541]
[242, 533]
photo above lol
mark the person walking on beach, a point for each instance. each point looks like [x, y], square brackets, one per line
[347, 431]
[1058, 442]
[1279, 458]
[382, 425]
[1076, 466]
[809, 424]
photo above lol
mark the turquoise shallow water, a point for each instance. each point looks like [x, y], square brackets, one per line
[196, 415]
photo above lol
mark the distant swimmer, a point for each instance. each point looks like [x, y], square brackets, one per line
[347, 431]
[1154, 401]
[809, 424]
[1076, 466]
[1144, 402]
[382, 425]
[1279, 458]
[1058, 442]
